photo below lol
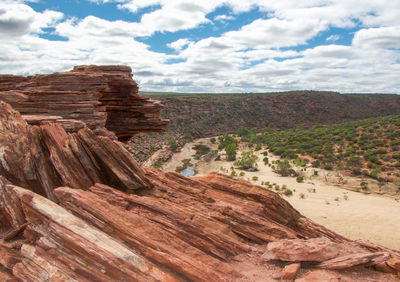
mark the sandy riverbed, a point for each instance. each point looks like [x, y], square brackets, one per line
[368, 217]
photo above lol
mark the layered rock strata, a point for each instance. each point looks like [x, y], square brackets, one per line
[98, 96]
[44, 157]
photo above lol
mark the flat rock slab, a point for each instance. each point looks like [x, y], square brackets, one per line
[297, 250]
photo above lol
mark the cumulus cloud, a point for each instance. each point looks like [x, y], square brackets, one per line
[274, 33]
[382, 37]
[223, 18]
[179, 44]
[177, 15]
[99, 29]
[333, 37]
[262, 55]
[134, 6]
[19, 19]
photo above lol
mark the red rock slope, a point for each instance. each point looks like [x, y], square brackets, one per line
[98, 96]
[77, 207]
[149, 225]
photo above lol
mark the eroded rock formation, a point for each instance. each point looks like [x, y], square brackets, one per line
[98, 96]
[44, 157]
[77, 207]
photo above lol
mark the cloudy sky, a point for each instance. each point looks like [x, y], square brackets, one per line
[211, 45]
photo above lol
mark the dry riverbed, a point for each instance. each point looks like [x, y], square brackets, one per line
[356, 215]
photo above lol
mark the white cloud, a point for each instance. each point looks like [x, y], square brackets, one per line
[179, 44]
[223, 18]
[382, 37]
[134, 6]
[177, 15]
[274, 33]
[19, 19]
[259, 56]
[333, 37]
[99, 29]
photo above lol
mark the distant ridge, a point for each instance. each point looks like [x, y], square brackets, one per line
[161, 93]
[204, 115]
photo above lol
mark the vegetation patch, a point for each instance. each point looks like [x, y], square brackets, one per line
[201, 150]
[247, 161]
[185, 164]
[369, 147]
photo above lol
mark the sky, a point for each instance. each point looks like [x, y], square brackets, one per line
[208, 46]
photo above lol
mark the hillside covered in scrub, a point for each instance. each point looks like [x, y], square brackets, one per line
[370, 147]
[203, 115]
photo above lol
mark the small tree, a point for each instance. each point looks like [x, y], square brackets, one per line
[172, 143]
[225, 140]
[231, 150]
[283, 168]
[242, 131]
[247, 160]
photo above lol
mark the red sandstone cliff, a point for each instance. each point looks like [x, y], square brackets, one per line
[98, 96]
[76, 206]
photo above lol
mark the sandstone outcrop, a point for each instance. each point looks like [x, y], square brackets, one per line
[44, 157]
[98, 96]
[76, 207]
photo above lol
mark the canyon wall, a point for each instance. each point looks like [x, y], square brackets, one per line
[98, 96]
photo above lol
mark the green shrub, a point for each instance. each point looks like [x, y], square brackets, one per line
[247, 160]
[288, 192]
[364, 185]
[225, 140]
[189, 137]
[283, 168]
[201, 150]
[375, 172]
[231, 150]
[158, 164]
[180, 168]
[242, 131]
[315, 164]
[300, 179]
[172, 143]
